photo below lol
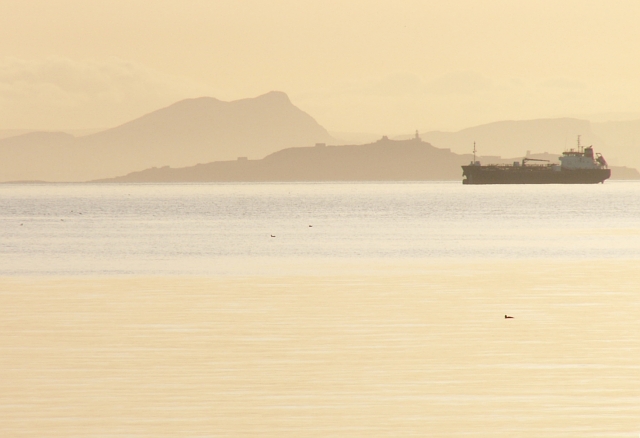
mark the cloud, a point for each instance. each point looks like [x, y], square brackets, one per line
[465, 82]
[397, 84]
[563, 83]
[403, 84]
[59, 92]
[400, 102]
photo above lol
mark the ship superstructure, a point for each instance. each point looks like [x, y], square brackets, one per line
[577, 166]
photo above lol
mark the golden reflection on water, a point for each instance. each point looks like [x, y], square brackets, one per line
[418, 352]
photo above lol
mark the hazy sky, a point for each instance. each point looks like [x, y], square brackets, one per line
[370, 66]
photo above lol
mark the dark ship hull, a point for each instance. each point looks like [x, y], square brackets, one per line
[474, 174]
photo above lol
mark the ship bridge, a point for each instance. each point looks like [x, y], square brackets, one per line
[582, 159]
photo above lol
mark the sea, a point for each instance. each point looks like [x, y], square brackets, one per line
[249, 229]
[319, 310]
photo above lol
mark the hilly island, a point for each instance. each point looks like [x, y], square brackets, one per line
[267, 138]
[384, 160]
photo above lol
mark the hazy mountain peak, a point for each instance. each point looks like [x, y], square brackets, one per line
[189, 132]
[275, 96]
[270, 98]
[512, 138]
[194, 102]
[273, 100]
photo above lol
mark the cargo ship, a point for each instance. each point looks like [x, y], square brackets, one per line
[577, 166]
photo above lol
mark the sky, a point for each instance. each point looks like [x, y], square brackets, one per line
[386, 67]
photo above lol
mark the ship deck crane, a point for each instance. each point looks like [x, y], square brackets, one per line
[524, 160]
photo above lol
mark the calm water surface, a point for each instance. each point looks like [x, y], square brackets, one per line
[213, 229]
[170, 311]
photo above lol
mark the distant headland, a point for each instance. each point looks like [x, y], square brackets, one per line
[201, 139]
[383, 160]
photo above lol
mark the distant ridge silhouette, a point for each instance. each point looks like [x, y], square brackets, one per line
[186, 133]
[214, 133]
[514, 137]
[618, 141]
[383, 160]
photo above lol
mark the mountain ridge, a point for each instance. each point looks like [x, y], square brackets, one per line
[207, 130]
[185, 133]
[619, 141]
[383, 160]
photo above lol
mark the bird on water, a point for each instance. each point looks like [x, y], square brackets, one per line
[508, 317]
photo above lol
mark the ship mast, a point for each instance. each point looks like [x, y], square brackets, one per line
[579, 150]
[474, 153]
